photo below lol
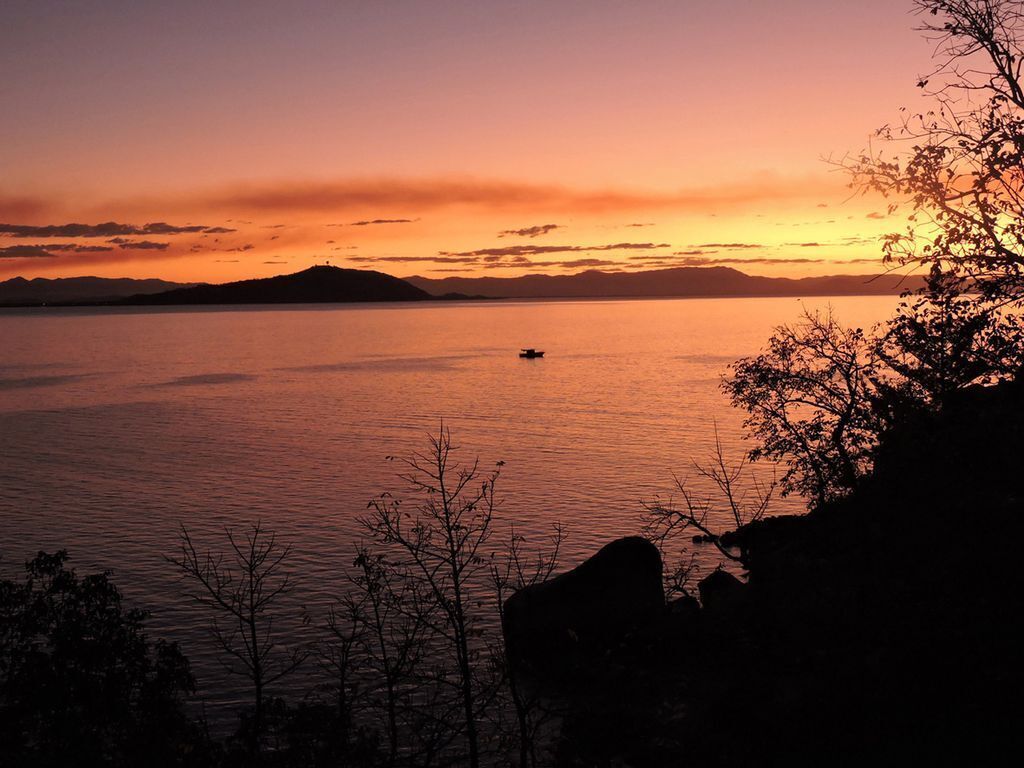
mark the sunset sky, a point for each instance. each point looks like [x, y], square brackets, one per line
[222, 140]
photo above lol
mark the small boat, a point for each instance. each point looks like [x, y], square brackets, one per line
[531, 353]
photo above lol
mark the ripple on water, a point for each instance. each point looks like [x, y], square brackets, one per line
[115, 429]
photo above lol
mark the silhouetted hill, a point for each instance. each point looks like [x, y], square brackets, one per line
[333, 284]
[321, 284]
[41, 290]
[678, 281]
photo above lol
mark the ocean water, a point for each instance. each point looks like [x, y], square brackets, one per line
[117, 426]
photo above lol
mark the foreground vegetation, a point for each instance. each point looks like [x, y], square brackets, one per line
[410, 661]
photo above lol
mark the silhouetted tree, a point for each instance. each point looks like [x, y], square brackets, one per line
[809, 402]
[820, 394]
[242, 590]
[738, 499]
[79, 682]
[940, 343]
[958, 166]
[389, 626]
[340, 656]
[958, 163]
[511, 570]
[441, 539]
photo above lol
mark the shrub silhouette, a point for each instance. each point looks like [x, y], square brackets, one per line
[820, 395]
[80, 684]
[241, 591]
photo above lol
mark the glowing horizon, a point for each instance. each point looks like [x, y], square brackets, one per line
[245, 140]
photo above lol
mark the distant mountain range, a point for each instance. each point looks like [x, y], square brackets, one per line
[677, 281]
[41, 290]
[323, 284]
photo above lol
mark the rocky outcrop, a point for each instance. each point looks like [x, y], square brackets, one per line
[720, 590]
[587, 610]
[874, 630]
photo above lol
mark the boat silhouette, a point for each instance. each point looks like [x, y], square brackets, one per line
[531, 353]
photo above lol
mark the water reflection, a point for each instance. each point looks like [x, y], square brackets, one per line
[116, 427]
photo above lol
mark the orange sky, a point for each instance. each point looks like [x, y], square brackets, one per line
[469, 138]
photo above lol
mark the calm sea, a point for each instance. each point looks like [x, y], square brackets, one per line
[117, 426]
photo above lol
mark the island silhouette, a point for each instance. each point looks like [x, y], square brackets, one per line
[319, 284]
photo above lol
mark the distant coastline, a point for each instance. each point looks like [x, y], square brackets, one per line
[329, 285]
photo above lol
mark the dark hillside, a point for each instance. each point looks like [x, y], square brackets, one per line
[319, 284]
[677, 281]
[40, 290]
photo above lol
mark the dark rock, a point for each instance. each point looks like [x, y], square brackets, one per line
[587, 610]
[720, 590]
[681, 618]
[687, 605]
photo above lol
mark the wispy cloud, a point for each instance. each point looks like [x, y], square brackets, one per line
[61, 248]
[26, 252]
[706, 261]
[534, 231]
[571, 264]
[536, 250]
[684, 258]
[514, 256]
[50, 250]
[72, 248]
[415, 259]
[506, 259]
[730, 246]
[371, 222]
[421, 195]
[143, 245]
[104, 229]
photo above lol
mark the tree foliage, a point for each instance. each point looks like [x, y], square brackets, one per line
[80, 684]
[808, 397]
[937, 344]
[958, 164]
[820, 395]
